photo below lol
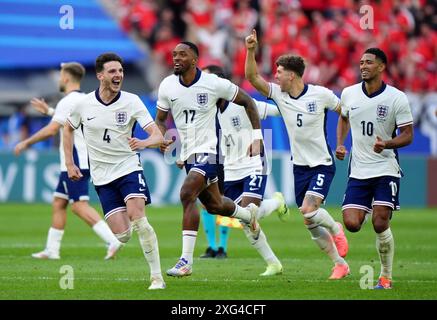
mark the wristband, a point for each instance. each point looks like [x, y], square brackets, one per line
[50, 111]
[257, 134]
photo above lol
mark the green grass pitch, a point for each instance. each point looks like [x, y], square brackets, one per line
[23, 230]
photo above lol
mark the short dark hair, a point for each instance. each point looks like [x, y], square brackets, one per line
[106, 57]
[379, 54]
[192, 47]
[74, 69]
[216, 70]
[291, 63]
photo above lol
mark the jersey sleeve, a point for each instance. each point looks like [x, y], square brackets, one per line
[331, 100]
[404, 117]
[266, 109]
[74, 118]
[163, 102]
[274, 91]
[141, 114]
[343, 105]
[226, 89]
[62, 111]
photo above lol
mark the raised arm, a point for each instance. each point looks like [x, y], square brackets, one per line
[46, 132]
[73, 171]
[251, 69]
[342, 131]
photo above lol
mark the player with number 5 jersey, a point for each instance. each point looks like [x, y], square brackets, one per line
[107, 118]
[304, 109]
[374, 111]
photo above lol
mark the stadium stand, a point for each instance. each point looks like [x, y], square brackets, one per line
[326, 33]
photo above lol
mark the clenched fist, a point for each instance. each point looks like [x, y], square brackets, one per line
[340, 152]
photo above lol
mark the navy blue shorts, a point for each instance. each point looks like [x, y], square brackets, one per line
[252, 186]
[114, 195]
[205, 164]
[221, 177]
[366, 193]
[314, 181]
[73, 190]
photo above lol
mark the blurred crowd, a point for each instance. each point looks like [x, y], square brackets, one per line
[330, 34]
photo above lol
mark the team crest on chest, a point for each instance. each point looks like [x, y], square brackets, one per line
[236, 122]
[202, 99]
[121, 118]
[312, 106]
[381, 112]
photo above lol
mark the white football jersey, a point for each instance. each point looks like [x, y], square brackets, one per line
[376, 115]
[305, 120]
[62, 110]
[194, 109]
[106, 129]
[236, 137]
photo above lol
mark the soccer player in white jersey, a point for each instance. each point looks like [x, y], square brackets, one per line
[191, 95]
[245, 177]
[107, 118]
[68, 191]
[374, 111]
[303, 108]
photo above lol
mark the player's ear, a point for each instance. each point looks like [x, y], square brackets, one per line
[66, 78]
[99, 75]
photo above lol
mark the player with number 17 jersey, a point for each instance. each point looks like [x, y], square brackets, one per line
[196, 124]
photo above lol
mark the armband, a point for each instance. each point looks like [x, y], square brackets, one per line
[257, 134]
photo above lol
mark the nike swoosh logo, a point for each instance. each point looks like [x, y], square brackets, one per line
[252, 189]
[147, 252]
[141, 189]
[173, 100]
[316, 188]
[355, 108]
[90, 118]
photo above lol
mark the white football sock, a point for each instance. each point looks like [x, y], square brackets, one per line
[267, 207]
[261, 245]
[149, 244]
[188, 243]
[241, 213]
[322, 218]
[386, 248]
[324, 240]
[54, 239]
[105, 233]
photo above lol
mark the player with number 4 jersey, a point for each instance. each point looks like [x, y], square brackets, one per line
[107, 118]
[304, 109]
